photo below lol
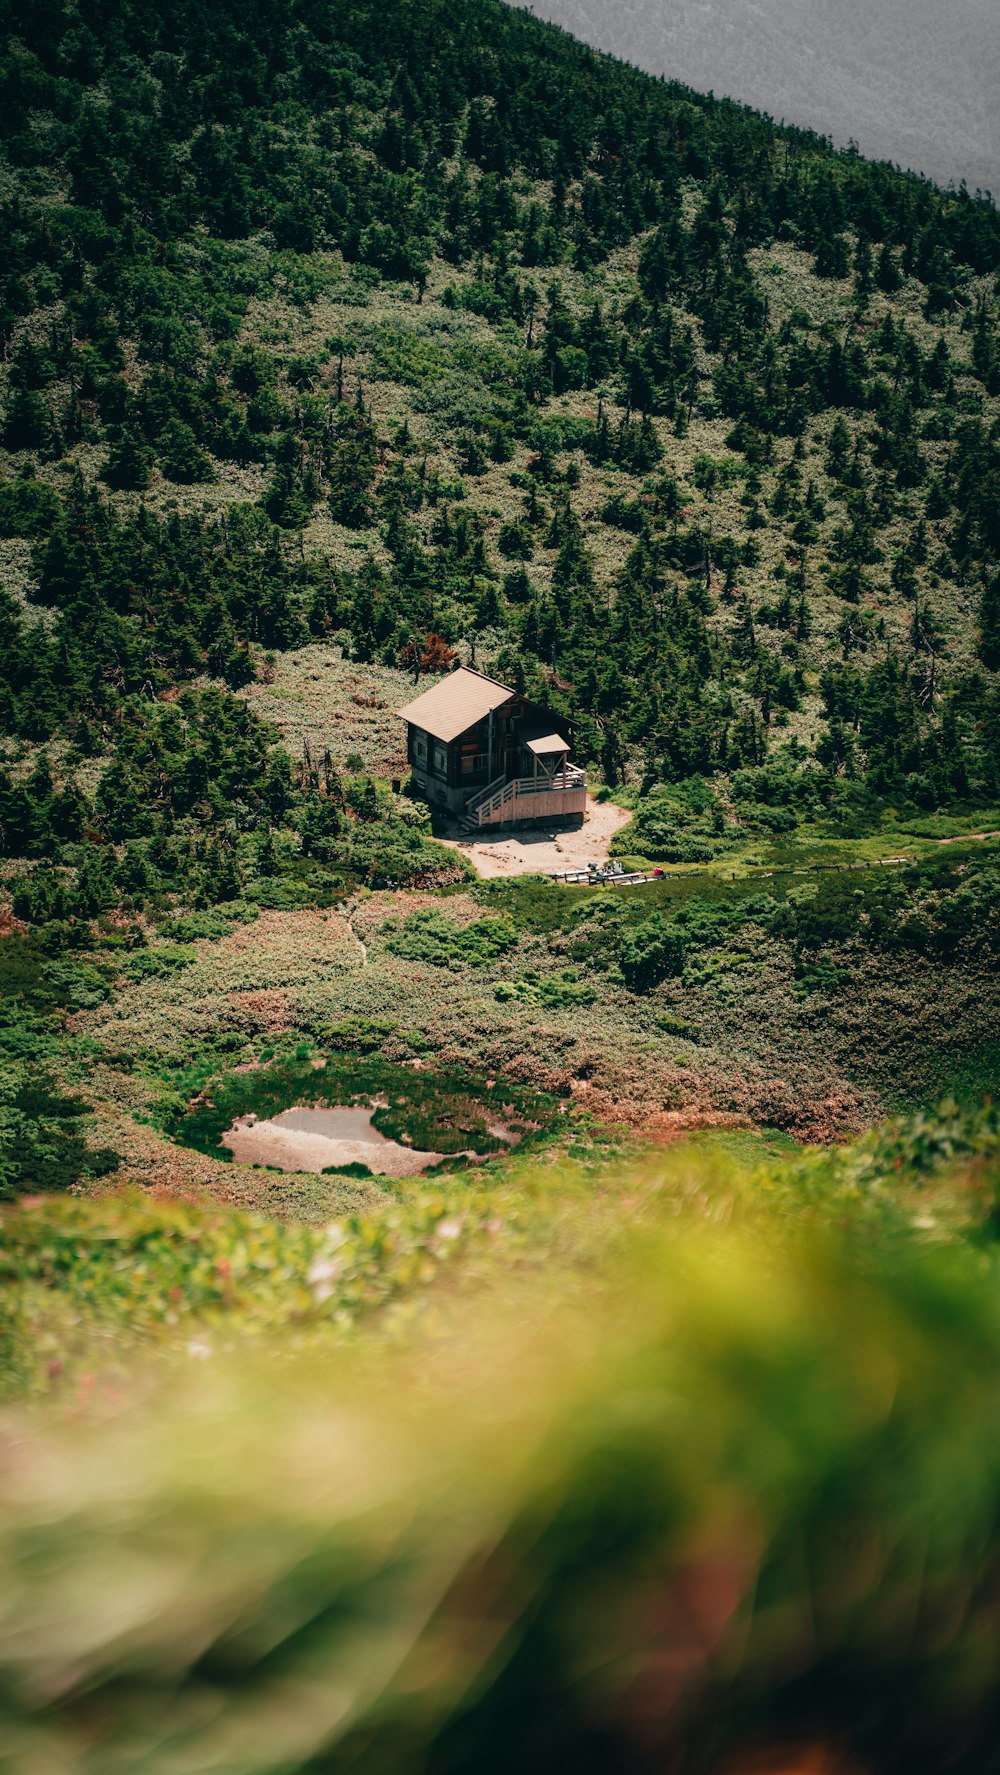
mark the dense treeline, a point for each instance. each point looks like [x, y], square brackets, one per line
[171, 166]
[339, 125]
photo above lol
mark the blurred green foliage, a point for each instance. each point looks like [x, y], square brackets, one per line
[85, 1283]
[658, 1494]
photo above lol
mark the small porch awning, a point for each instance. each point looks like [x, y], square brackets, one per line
[544, 748]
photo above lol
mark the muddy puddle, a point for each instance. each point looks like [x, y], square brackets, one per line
[324, 1139]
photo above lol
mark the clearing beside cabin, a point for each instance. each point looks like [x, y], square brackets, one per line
[545, 852]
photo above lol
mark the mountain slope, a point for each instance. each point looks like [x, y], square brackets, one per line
[908, 80]
[389, 332]
[634, 340]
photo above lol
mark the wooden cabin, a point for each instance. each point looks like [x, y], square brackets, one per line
[488, 757]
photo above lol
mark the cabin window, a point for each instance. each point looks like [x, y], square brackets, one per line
[473, 762]
[420, 747]
[440, 760]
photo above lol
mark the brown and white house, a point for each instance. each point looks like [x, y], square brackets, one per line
[486, 756]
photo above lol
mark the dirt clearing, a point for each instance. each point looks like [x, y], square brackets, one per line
[547, 852]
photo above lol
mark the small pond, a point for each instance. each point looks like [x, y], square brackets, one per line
[303, 1139]
[302, 1113]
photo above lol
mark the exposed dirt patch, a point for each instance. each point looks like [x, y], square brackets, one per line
[547, 852]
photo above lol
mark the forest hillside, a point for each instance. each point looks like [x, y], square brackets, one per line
[393, 335]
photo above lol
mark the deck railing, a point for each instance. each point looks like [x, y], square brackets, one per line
[499, 803]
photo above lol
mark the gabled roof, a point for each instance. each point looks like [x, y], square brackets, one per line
[455, 703]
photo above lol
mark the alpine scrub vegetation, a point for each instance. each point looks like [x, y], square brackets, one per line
[430, 936]
[687, 420]
[431, 334]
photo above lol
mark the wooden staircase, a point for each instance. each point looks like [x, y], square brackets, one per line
[469, 821]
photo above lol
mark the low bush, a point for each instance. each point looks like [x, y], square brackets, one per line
[674, 823]
[925, 1143]
[430, 937]
[672, 1025]
[775, 821]
[43, 1144]
[156, 963]
[27, 507]
[286, 893]
[651, 952]
[554, 991]
[401, 857]
[37, 983]
[660, 841]
[358, 1035]
[190, 927]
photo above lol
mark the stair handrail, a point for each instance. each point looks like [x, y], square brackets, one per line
[475, 800]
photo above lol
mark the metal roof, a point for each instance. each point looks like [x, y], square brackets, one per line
[553, 742]
[456, 703]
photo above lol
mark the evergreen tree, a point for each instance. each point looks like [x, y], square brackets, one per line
[181, 456]
[129, 463]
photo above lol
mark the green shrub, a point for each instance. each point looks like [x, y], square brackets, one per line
[776, 821]
[651, 952]
[674, 823]
[428, 936]
[284, 893]
[399, 856]
[27, 507]
[924, 1143]
[156, 963]
[822, 975]
[36, 983]
[672, 1025]
[192, 926]
[43, 1144]
[554, 991]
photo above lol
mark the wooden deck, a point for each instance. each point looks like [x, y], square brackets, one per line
[559, 797]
